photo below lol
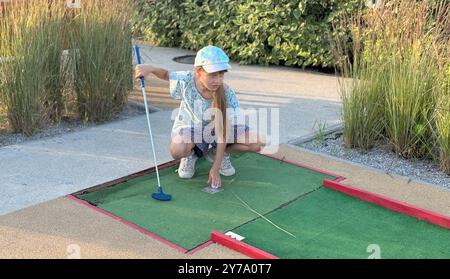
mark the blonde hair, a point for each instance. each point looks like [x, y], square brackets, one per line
[219, 103]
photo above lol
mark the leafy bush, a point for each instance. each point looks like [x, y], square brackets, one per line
[158, 22]
[288, 32]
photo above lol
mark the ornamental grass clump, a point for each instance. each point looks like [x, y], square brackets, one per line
[394, 84]
[30, 49]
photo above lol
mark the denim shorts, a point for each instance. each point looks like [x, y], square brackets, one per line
[203, 140]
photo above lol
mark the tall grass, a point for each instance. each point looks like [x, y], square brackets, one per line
[57, 60]
[413, 81]
[29, 74]
[360, 84]
[442, 113]
[102, 37]
[396, 66]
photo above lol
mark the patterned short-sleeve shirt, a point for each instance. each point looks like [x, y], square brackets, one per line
[193, 111]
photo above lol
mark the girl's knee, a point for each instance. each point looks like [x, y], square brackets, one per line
[248, 138]
[256, 147]
[254, 141]
[259, 144]
[179, 150]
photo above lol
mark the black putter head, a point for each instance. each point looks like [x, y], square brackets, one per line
[161, 196]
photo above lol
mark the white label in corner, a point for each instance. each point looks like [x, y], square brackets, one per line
[235, 236]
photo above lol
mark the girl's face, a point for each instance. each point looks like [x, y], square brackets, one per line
[212, 81]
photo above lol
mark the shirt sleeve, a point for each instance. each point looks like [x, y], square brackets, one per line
[177, 83]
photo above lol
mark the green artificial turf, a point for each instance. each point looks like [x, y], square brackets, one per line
[188, 219]
[329, 224]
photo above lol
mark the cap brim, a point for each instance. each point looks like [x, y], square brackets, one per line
[216, 67]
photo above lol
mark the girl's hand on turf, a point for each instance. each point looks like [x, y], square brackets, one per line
[214, 178]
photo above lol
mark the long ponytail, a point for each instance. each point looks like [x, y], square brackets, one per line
[219, 103]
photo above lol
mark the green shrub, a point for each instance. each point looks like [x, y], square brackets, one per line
[284, 32]
[158, 21]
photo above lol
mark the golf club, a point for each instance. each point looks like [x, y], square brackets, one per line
[160, 195]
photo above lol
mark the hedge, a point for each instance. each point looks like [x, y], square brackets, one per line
[282, 32]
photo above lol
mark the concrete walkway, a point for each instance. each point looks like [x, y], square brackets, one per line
[42, 170]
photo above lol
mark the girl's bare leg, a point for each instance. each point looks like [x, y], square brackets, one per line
[180, 149]
[248, 142]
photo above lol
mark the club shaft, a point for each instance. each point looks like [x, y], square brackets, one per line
[151, 135]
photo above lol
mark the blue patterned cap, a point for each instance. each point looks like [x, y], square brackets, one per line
[212, 59]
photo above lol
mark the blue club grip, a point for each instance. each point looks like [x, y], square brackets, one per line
[138, 58]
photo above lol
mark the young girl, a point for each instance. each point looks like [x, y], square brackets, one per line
[207, 106]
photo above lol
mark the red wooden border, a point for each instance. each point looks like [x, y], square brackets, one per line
[201, 247]
[141, 230]
[240, 246]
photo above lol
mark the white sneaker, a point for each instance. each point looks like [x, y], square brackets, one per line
[187, 166]
[226, 169]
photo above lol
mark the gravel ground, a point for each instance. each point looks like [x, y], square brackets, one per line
[63, 128]
[381, 158]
